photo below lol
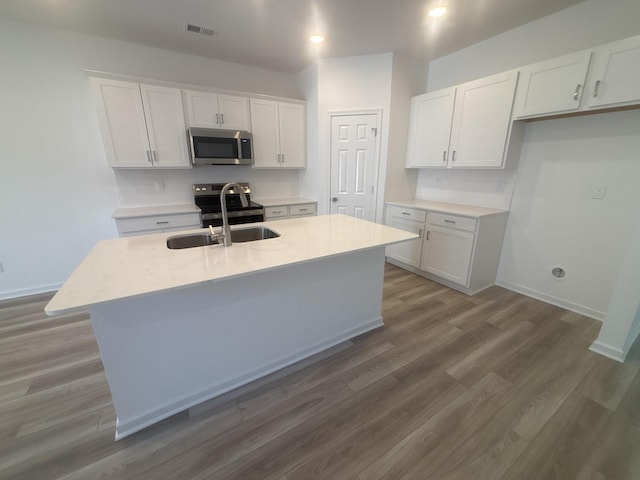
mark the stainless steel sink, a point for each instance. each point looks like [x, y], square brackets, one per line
[240, 235]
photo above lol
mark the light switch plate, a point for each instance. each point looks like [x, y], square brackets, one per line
[599, 192]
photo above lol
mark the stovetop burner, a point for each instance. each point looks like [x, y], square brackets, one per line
[207, 198]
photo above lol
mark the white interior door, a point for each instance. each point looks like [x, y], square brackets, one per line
[354, 169]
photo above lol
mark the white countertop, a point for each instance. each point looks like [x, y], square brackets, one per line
[124, 267]
[156, 210]
[276, 202]
[450, 208]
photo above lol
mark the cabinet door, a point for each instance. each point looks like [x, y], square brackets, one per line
[234, 112]
[430, 128]
[292, 125]
[165, 125]
[406, 252]
[266, 141]
[481, 121]
[447, 253]
[202, 109]
[121, 117]
[553, 86]
[615, 76]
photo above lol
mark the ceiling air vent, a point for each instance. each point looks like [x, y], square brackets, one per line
[201, 30]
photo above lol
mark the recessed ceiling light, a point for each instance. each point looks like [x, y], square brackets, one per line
[437, 11]
[316, 39]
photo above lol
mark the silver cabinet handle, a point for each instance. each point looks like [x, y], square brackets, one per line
[420, 233]
[162, 223]
[334, 199]
[222, 119]
[450, 221]
[596, 88]
[303, 209]
[155, 156]
[217, 118]
[428, 232]
[149, 157]
[444, 157]
[282, 155]
[453, 156]
[278, 158]
[406, 213]
[575, 94]
[276, 212]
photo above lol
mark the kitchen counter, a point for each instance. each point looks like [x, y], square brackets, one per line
[448, 208]
[132, 212]
[277, 202]
[178, 327]
[125, 267]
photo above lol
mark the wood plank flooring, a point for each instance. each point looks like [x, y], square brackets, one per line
[496, 386]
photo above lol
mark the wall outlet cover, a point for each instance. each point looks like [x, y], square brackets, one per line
[599, 192]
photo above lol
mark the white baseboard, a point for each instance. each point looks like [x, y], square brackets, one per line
[558, 302]
[25, 292]
[608, 351]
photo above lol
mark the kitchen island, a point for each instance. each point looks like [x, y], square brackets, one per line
[178, 327]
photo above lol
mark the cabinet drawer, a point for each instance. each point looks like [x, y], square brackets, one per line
[276, 212]
[407, 213]
[304, 209]
[158, 222]
[453, 221]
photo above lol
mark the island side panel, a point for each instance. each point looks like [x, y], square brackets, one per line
[168, 351]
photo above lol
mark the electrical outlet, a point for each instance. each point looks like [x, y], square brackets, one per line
[599, 192]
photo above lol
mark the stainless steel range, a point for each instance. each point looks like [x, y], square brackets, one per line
[207, 198]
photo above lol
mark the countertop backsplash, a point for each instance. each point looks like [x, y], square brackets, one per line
[142, 188]
[481, 188]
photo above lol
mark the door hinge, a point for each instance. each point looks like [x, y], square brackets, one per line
[375, 131]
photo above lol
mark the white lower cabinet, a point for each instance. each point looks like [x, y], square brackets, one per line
[408, 220]
[142, 225]
[295, 210]
[447, 253]
[459, 251]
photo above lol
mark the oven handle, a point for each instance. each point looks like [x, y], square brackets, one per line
[233, 214]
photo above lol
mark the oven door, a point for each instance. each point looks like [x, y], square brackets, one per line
[235, 218]
[219, 147]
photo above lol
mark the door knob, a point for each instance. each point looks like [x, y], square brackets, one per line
[334, 199]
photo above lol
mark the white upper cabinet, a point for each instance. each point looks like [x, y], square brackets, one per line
[211, 110]
[165, 126]
[604, 77]
[481, 121]
[615, 74]
[142, 125]
[293, 135]
[553, 86]
[430, 128]
[279, 134]
[464, 126]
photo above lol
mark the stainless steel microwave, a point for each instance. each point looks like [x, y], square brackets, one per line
[220, 147]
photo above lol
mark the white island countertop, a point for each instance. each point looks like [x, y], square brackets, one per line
[126, 267]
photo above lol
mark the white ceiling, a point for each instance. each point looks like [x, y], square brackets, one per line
[274, 33]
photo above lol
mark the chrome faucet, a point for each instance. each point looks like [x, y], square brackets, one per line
[226, 231]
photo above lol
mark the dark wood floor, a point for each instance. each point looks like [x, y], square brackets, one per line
[495, 386]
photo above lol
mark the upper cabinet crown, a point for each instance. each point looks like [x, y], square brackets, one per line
[608, 76]
[279, 134]
[211, 110]
[142, 125]
[464, 126]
